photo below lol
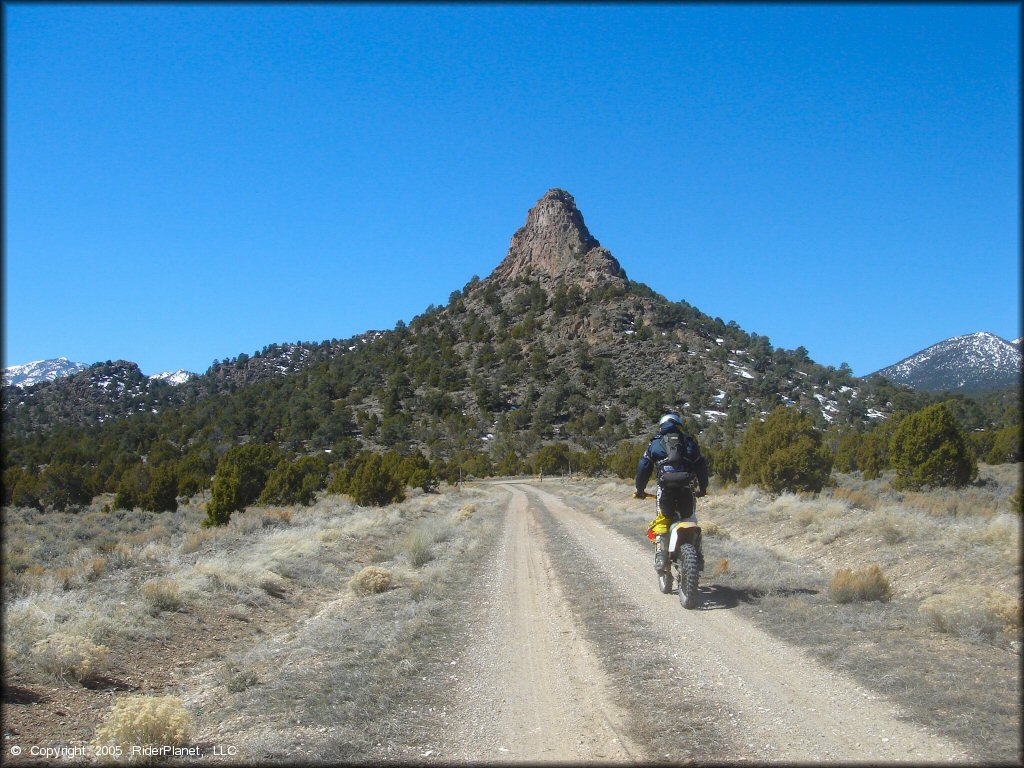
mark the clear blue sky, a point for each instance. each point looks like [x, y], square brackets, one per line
[185, 183]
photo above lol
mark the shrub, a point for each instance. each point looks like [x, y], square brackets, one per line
[973, 613]
[784, 453]
[551, 459]
[872, 455]
[295, 482]
[368, 482]
[928, 448]
[625, 458]
[161, 495]
[70, 656]
[94, 567]
[145, 721]
[121, 556]
[722, 463]
[371, 580]
[412, 471]
[65, 485]
[66, 577]
[162, 594]
[1006, 446]
[863, 584]
[241, 476]
[237, 680]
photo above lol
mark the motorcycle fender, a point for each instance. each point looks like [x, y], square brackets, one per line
[684, 531]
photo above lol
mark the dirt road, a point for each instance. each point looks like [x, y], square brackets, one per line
[534, 688]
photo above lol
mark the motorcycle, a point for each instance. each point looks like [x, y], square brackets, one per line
[682, 573]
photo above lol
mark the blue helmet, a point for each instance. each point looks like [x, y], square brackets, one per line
[670, 418]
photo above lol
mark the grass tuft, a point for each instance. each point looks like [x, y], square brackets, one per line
[370, 581]
[713, 530]
[863, 584]
[162, 595]
[145, 721]
[70, 656]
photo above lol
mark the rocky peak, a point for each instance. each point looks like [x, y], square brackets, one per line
[556, 244]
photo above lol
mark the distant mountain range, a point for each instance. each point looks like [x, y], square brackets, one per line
[977, 362]
[38, 371]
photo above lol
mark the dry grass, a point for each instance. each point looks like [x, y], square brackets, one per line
[162, 594]
[370, 581]
[974, 613]
[866, 584]
[331, 685]
[70, 657]
[192, 542]
[855, 497]
[713, 530]
[145, 721]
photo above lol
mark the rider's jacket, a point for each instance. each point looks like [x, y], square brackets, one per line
[694, 462]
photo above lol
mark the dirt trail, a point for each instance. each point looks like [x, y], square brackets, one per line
[533, 689]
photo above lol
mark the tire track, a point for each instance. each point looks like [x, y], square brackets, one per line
[532, 689]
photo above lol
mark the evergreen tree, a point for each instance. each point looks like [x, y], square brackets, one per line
[241, 475]
[784, 453]
[1006, 446]
[928, 448]
[161, 495]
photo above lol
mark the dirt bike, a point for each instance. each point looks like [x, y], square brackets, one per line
[683, 571]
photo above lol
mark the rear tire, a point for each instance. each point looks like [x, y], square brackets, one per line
[665, 582]
[689, 576]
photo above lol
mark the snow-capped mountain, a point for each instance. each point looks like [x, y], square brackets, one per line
[40, 370]
[972, 363]
[174, 378]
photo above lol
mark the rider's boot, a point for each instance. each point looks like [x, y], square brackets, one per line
[660, 559]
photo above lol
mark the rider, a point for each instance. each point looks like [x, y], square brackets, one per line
[677, 458]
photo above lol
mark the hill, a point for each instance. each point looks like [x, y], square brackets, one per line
[557, 344]
[976, 362]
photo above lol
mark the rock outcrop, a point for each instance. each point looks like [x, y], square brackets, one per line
[555, 244]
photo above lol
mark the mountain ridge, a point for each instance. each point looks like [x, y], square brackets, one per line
[975, 362]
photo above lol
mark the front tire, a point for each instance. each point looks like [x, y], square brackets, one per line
[689, 576]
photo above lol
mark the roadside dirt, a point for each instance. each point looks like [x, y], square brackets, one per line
[536, 689]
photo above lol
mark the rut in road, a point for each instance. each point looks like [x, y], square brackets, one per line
[778, 702]
[531, 688]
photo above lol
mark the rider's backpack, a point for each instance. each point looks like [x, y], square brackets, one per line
[672, 470]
